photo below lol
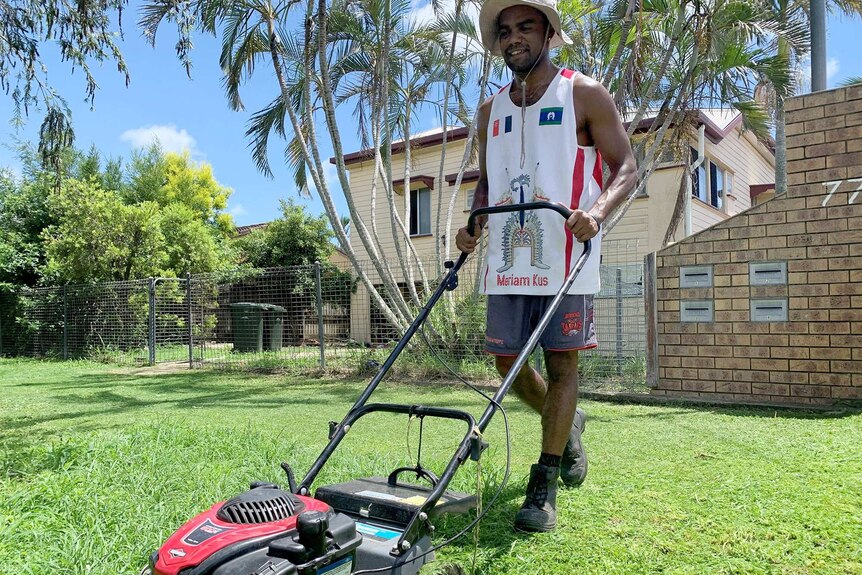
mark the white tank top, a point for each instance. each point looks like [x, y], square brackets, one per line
[532, 252]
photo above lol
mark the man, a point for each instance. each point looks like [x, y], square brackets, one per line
[542, 138]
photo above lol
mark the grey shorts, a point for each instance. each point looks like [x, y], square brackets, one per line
[512, 318]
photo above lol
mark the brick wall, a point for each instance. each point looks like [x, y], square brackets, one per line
[815, 357]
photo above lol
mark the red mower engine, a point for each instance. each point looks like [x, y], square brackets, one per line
[263, 531]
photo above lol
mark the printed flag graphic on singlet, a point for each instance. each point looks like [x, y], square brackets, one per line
[507, 126]
[551, 117]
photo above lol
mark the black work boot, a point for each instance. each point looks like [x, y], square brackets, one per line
[539, 511]
[573, 467]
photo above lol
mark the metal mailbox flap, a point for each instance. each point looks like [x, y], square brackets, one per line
[767, 273]
[695, 276]
[769, 310]
[696, 310]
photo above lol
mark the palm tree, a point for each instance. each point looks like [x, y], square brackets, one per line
[360, 52]
[417, 69]
[257, 30]
[668, 58]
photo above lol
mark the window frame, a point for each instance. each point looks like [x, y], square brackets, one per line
[468, 198]
[705, 168]
[416, 213]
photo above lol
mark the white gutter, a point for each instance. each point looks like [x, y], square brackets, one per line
[701, 150]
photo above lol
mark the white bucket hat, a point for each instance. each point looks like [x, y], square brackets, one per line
[491, 11]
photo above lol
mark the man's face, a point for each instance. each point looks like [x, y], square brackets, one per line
[521, 31]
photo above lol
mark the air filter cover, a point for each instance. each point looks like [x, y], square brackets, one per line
[260, 505]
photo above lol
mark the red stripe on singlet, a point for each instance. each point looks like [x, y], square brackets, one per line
[577, 189]
[567, 73]
[597, 171]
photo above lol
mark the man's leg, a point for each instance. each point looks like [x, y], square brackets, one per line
[508, 327]
[561, 400]
[528, 386]
[557, 402]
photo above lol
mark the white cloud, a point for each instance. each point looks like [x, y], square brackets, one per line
[169, 137]
[237, 210]
[13, 172]
[330, 174]
[803, 74]
[832, 68]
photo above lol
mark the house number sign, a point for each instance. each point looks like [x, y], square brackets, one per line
[834, 185]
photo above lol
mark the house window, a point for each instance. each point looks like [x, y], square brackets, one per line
[710, 182]
[468, 200]
[716, 186]
[420, 212]
[638, 148]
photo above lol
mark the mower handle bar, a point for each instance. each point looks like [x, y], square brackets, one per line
[559, 208]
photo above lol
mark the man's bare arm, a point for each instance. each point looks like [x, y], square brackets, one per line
[466, 239]
[610, 138]
[480, 194]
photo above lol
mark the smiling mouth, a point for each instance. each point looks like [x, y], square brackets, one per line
[516, 52]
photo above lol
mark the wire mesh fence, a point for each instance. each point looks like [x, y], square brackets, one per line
[310, 317]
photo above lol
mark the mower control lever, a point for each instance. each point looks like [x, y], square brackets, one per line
[291, 480]
[477, 447]
[421, 473]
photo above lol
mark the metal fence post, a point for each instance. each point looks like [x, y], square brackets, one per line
[151, 343]
[65, 326]
[189, 318]
[320, 335]
[651, 313]
[619, 294]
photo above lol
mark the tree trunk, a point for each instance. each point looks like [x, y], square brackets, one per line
[312, 160]
[468, 153]
[338, 152]
[671, 111]
[780, 135]
[650, 93]
[679, 206]
[437, 236]
[624, 34]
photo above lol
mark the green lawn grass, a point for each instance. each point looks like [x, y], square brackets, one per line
[100, 465]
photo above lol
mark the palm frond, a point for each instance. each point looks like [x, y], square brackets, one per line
[261, 124]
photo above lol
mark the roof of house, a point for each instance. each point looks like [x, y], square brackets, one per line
[245, 230]
[718, 122]
[755, 190]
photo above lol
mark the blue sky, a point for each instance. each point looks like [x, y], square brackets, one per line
[193, 113]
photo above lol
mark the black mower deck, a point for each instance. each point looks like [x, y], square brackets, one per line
[376, 498]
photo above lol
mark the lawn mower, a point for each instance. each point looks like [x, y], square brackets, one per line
[368, 525]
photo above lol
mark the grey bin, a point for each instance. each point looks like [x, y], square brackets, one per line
[257, 326]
